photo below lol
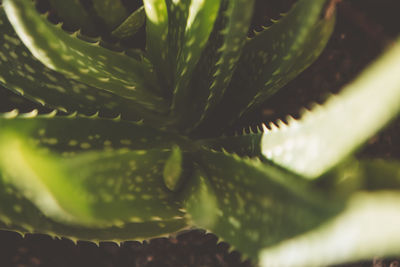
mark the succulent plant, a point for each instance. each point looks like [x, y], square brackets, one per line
[139, 144]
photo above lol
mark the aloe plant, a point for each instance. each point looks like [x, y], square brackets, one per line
[138, 146]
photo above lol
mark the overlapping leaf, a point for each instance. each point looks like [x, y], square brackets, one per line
[368, 227]
[178, 12]
[327, 134]
[80, 60]
[19, 214]
[198, 27]
[217, 61]
[324, 136]
[74, 15]
[252, 205]
[86, 172]
[274, 57]
[157, 38]
[131, 24]
[23, 74]
[112, 12]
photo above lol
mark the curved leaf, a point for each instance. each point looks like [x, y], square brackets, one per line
[86, 172]
[19, 214]
[326, 135]
[273, 58]
[23, 74]
[367, 228]
[79, 133]
[82, 61]
[255, 205]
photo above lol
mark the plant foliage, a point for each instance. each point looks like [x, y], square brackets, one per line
[136, 146]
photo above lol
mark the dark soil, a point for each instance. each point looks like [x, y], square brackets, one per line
[364, 29]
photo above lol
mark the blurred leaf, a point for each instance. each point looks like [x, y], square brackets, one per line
[256, 204]
[367, 228]
[326, 135]
[112, 12]
[173, 169]
[73, 15]
[19, 214]
[88, 172]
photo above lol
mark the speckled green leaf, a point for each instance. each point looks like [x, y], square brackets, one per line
[88, 172]
[23, 74]
[219, 58]
[156, 38]
[73, 15]
[256, 205]
[200, 22]
[324, 136]
[78, 133]
[178, 11]
[131, 24]
[17, 213]
[274, 57]
[77, 59]
[112, 12]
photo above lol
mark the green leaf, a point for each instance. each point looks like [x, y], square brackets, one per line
[79, 133]
[178, 11]
[201, 202]
[324, 136]
[131, 24]
[173, 169]
[219, 58]
[73, 15]
[244, 144]
[362, 174]
[24, 75]
[156, 37]
[252, 205]
[112, 12]
[368, 227]
[273, 58]
[77, 59]
[217, 61]
[17, 213]
[200, 22]
[88, 172]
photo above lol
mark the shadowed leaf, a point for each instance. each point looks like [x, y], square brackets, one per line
[73, 15]
[274, 57]
[200, 22]
[112, 12]
[131, 25]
